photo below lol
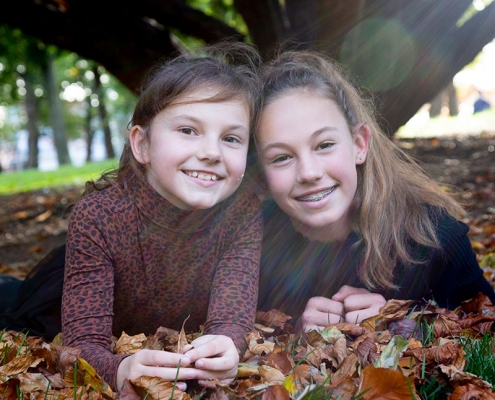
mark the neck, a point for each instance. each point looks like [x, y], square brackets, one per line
[326, 234]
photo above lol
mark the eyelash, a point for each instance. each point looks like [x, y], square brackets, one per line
[235, 140]
[190, 130]
[325, 145]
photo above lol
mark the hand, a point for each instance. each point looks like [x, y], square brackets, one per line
[214, 356]
[156, 363]
[358, 303]
[320, 312]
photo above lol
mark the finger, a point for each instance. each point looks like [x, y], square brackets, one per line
[346, 291]
[223, 363]
[325, 305]
[364, 301]
[314, 320]
[211, 348]
[162, 358]
[169, 374]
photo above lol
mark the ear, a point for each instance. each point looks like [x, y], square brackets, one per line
[139, 144]
[361, 138]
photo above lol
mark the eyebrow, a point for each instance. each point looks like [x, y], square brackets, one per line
[313, 135]
[198, 121]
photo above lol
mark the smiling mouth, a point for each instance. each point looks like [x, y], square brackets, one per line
[317, 196]
[203, 176]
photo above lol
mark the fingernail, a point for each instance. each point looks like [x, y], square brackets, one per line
[199, 364]
[182, 386]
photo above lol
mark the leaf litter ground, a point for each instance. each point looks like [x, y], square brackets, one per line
[408, 351]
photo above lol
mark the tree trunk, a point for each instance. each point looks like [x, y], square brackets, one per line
[56, 115]
[32, 112]
[103, 114]
[89, 132]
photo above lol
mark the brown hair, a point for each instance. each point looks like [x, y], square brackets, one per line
[229, 67]
[393, 190]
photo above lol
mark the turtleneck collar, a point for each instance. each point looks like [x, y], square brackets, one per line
[161, 214]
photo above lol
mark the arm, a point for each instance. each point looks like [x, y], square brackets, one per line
[233, 297]
[461, 277]
[87, 305]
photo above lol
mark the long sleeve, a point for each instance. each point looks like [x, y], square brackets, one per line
[234, 292]
[87, 303]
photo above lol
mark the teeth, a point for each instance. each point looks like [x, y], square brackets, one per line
[317, 196]
[202, 175]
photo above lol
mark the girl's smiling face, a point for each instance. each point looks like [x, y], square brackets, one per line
[309, 158]
[195, 152]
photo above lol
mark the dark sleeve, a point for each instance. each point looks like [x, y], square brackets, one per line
[461, 278]
[234, 291]
[451, 273]
[87, 303]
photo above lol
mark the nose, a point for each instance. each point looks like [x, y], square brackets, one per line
[209, 150]
[309, 169]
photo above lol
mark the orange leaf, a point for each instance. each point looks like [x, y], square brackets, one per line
[471, 392]
[385, 383]
[276, 392]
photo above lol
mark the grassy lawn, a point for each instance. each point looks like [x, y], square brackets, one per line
[22, 181]
[423, 126]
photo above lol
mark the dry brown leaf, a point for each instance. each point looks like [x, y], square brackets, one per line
[343, 389]
[19, 365]
[130, 344]
[281, 360]
[271, 375]
[276, 392]
[471, 392]
[182, 341]
[461, 378]
[384, 383]
[257, 344]
[154, 388]
[272, 318]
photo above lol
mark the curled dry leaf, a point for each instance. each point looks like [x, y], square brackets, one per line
[130, 344]
[271, 375]
[276, 392]
[471, 392]
[458, 378]
[257, 344]
[448, 353]
[272, 318]
[154, 388]
[280, 360]
[19, 365]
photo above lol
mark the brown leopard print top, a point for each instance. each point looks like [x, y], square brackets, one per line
[135, 262]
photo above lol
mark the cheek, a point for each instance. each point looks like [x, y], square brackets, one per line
[279, 182]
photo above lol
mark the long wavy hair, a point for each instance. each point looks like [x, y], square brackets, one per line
[229, 68]
[393, 191]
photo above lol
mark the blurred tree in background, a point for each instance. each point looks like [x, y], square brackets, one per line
[402, 52]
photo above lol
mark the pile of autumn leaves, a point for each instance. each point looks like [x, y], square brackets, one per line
[390, 356]
[382, 358]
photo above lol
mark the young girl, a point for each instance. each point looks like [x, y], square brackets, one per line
[164, 238]
[356, 221]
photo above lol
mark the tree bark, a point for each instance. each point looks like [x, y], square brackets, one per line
[89, 131]
[56, 114]
[32, 112]
[103, 114]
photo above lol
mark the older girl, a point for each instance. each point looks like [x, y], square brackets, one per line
[354, 221]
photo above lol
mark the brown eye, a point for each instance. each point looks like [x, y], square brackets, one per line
[187, 131]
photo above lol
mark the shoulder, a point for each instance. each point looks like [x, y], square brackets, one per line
[448, 229]
[244, 202]
[109, 200]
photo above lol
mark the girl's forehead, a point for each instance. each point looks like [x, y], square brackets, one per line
[214, 94]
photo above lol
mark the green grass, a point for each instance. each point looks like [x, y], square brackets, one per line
[480, 356]
[31, 179]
